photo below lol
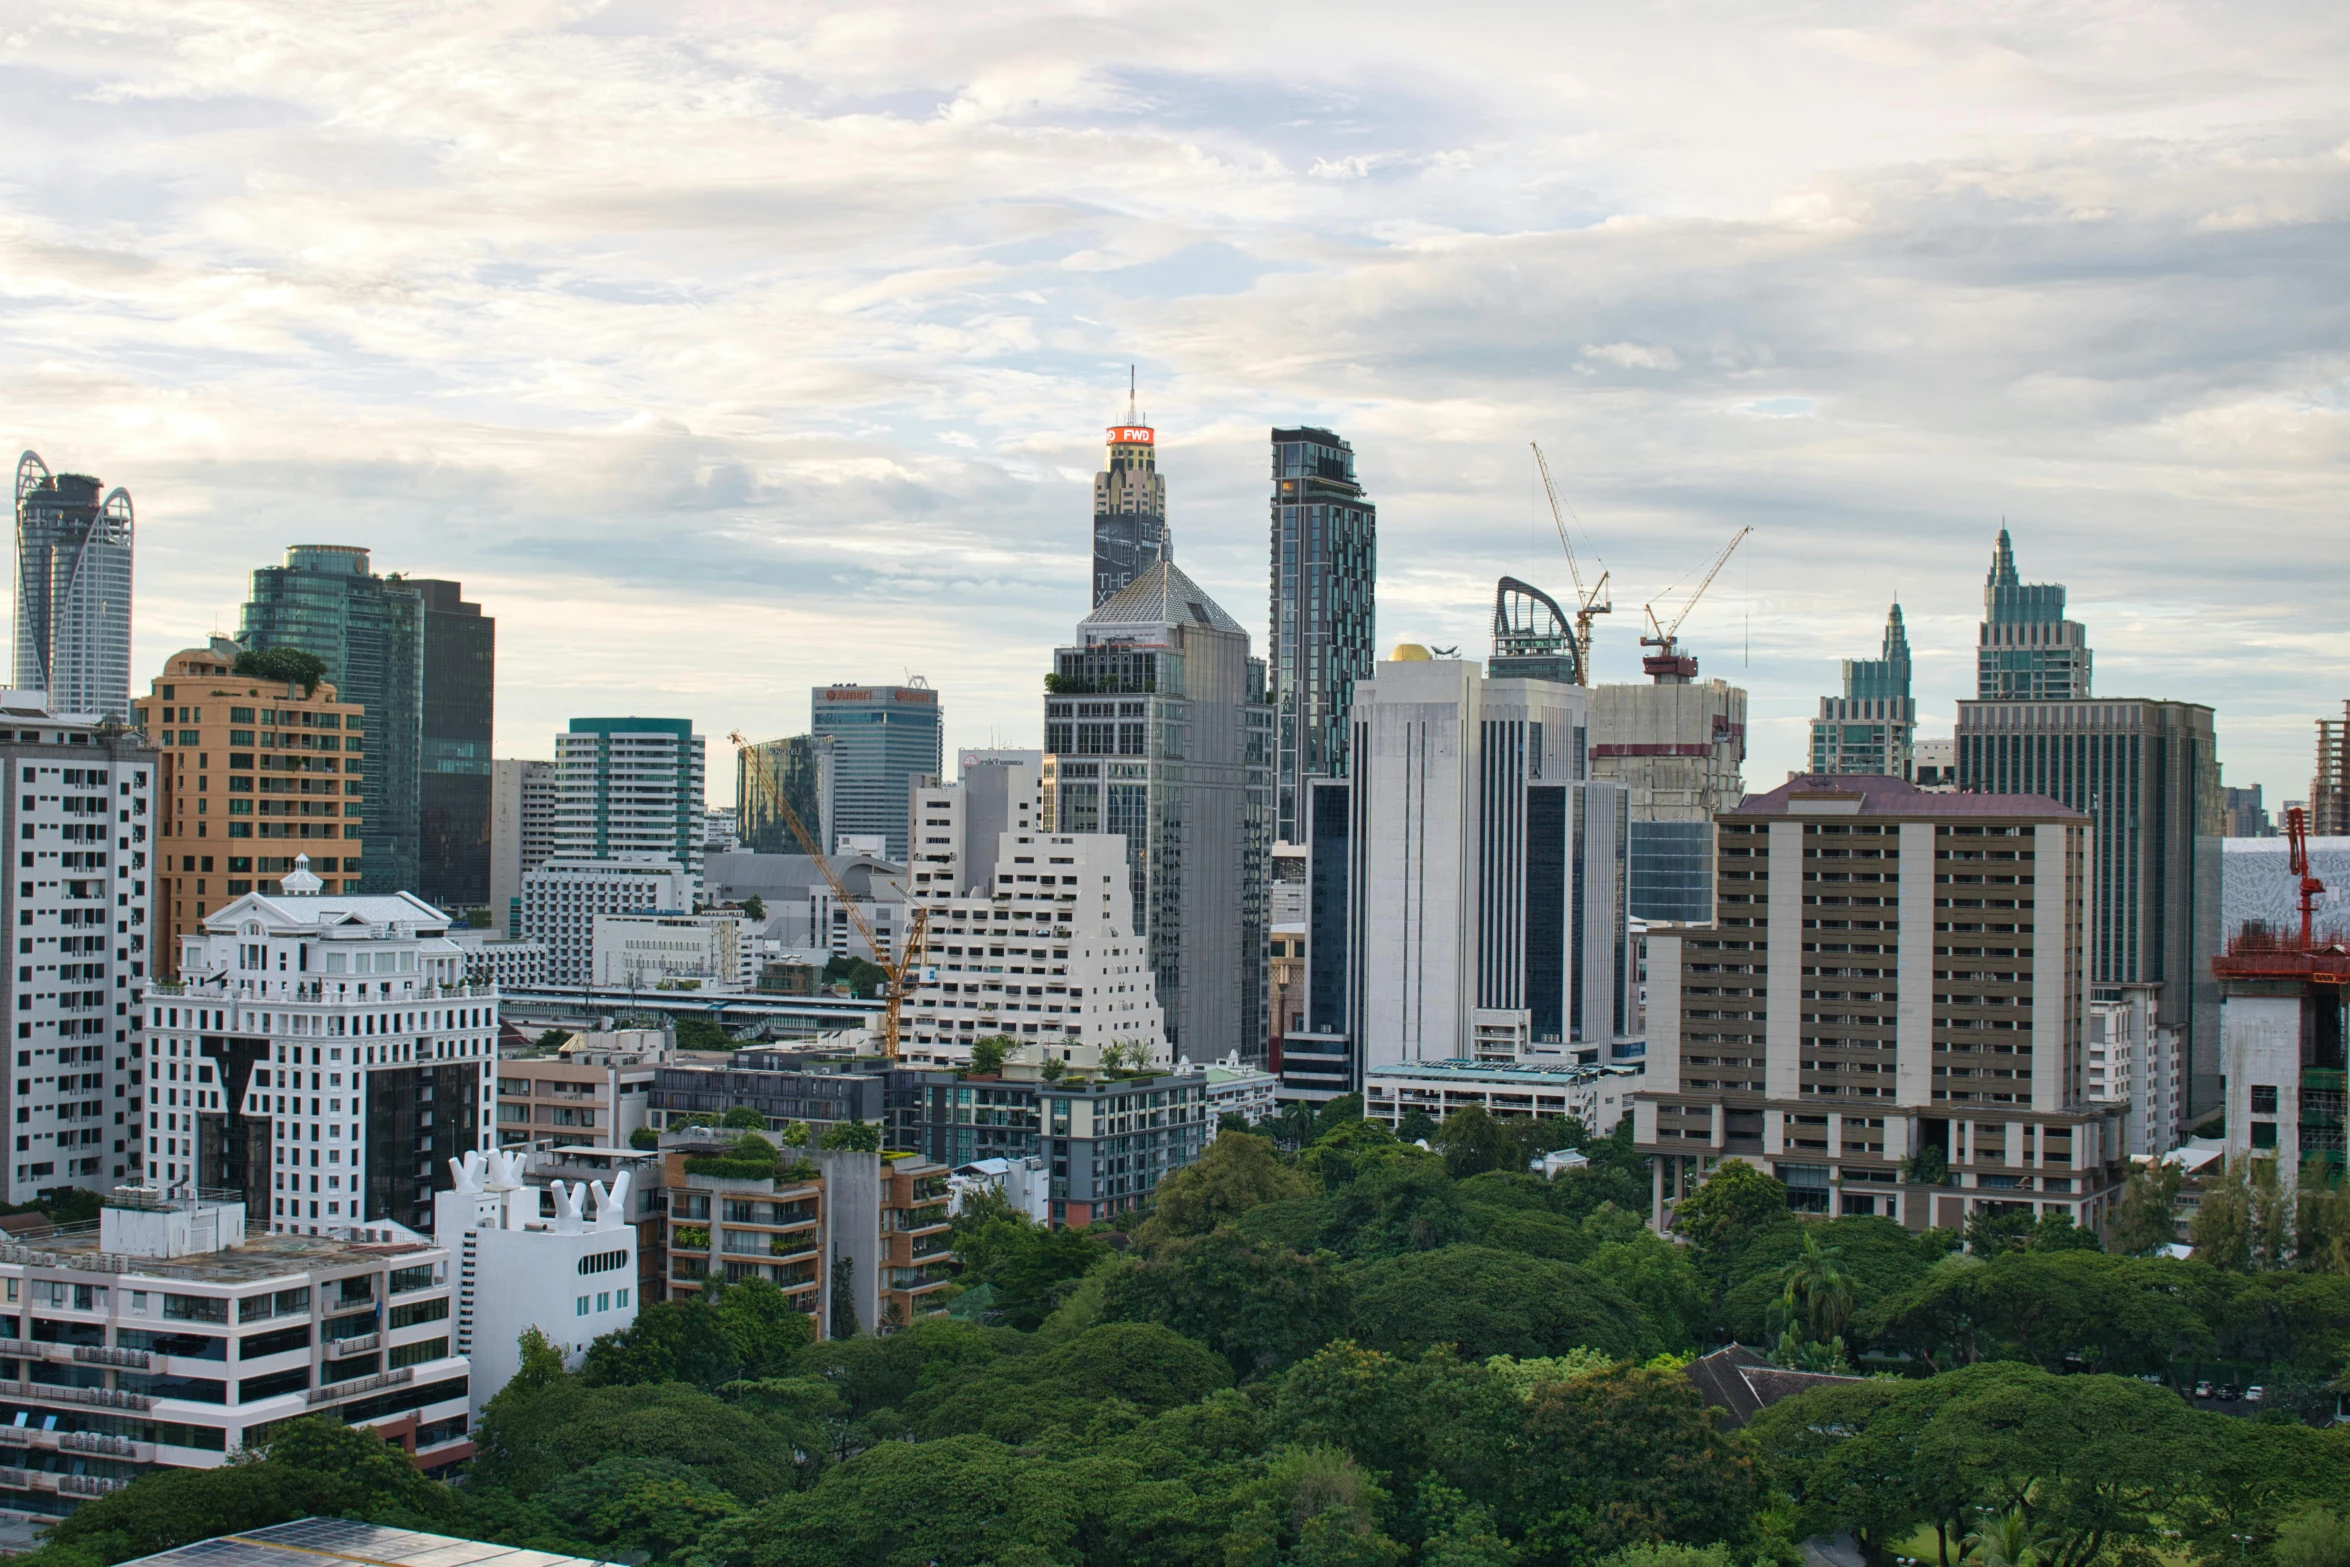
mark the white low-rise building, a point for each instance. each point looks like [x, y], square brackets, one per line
[1234, 1088]
[170, 1338]
[562, 897]
[495, 958]
[561, 1258]
[1043, 957]
[672, 951]
[319, 1057]
[1598, 1096]
[1020, 1181]
[2133, 1059]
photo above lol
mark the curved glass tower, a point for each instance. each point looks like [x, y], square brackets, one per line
[73, 591]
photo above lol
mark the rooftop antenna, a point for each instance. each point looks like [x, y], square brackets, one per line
[1131, 416]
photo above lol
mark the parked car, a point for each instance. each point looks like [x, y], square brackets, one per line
[2226, 1393]
[2255, 1393]
[2202, 1390]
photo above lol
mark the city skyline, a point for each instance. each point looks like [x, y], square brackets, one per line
[1765, 325]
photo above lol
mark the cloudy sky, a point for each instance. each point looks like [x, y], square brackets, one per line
[726, 349]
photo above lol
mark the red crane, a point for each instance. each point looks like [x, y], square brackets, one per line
[2297, 840]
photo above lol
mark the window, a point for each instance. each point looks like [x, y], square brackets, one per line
[416, 1311]
[407, 1279]
[418, 1353]
[2264, 1099]
[582, 1309]
[2264, 1133]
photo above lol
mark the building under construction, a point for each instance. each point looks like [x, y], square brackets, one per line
[2329, 787]
[1678, 749]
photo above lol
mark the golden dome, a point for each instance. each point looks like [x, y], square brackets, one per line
[1410, 653]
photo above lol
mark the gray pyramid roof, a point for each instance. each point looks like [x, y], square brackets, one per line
[1160, 597]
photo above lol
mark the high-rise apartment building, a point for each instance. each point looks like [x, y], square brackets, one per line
[1889, 1013]
[453, 770]
[73, 591]
[1872, 726]
[1157, 729]
[370, 631]
[799, 771]
[80, 813]
[884, 739]
[2028, 651]
[522, 831]
[252, 772]
[322, 1056]
[1129, 508]
[631, 789]
[2148, 773]
[1324, 544]
[1488, 886]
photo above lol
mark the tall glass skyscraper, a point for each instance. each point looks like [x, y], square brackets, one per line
[796, 770]
[453, 788]
[2028, 651]
[73, 591]
[1872, 727]
[1129, 508]
[1324, 539]
[884, 738]
[370, 631]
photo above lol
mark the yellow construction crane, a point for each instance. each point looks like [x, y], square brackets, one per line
[898, 964]
[1587, 603]
[1668, 665]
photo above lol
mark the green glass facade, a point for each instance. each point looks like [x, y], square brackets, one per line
[370, 631]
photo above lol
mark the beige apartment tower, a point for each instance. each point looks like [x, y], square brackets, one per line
[254, 773]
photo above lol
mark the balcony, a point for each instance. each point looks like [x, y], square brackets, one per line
[357, 1343]
[100, 1355]
[323, 1395]
[76, 1442]
[103, 1397]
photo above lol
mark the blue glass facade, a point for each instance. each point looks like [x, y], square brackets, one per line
[884, 737]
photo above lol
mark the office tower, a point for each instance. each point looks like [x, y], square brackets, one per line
[1317, 1054]
[1129, 508]
[2329, 786]
[80, 812]
[1324, 541]
[1042, 954]
[562, 898]
[884, 738]
[369, 630]
[1894, 975]
[252, 772]
[2242, 815]
[800, 771]
[522, 830]
[73, 591]
[1871, 727]
[2028, 651]
[453, 784]
[1157, 729]
[631, 789]
[338, 1056]
[1488, 887]
[2148, 773]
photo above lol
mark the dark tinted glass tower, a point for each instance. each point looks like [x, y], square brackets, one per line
[370, 632]
[453, 786]
[1325, 562]
[73, 591]
[884, 737]
[1129, 508]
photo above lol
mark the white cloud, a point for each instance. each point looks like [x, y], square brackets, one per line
[723, 351]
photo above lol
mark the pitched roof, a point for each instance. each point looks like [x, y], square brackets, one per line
[1162, 596]
[1742, 1384]
[324, 909]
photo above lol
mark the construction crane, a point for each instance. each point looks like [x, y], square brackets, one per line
[2297, 848]
[897, 965]
[1587, 603]
[1668, 665]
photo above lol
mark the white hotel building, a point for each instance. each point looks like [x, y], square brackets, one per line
[322, 1057]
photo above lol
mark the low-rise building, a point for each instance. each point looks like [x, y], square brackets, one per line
[1598, 1095]
[562, 897]
[494, 958]
[1021, 1182]
[2134, 1061]
[595, 1091]
[816, 1088]
[671, 952]
[1234, 1088]
[571, 1272]
[167, 1337]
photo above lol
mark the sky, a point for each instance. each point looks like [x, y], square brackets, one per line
[726, 350]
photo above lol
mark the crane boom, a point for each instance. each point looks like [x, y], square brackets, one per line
[900, 962]
[1588, 603]
[2297, 864]
[1669, 664]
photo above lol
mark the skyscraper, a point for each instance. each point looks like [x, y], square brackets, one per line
[1156, 727]
[1324, 539]
[1129, 508]
[629, 789]
[2028, 651]
[1871, 727]
[453, 786]
[73, 591]
[369, 630]
[797, 770]
[522, 832]
[884, 738]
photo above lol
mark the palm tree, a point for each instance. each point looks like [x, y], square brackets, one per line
[1815, 1285]
[2005, 1540]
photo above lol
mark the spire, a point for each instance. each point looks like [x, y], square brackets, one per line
[2003, 558]
[300, 883]
[1131, 416]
